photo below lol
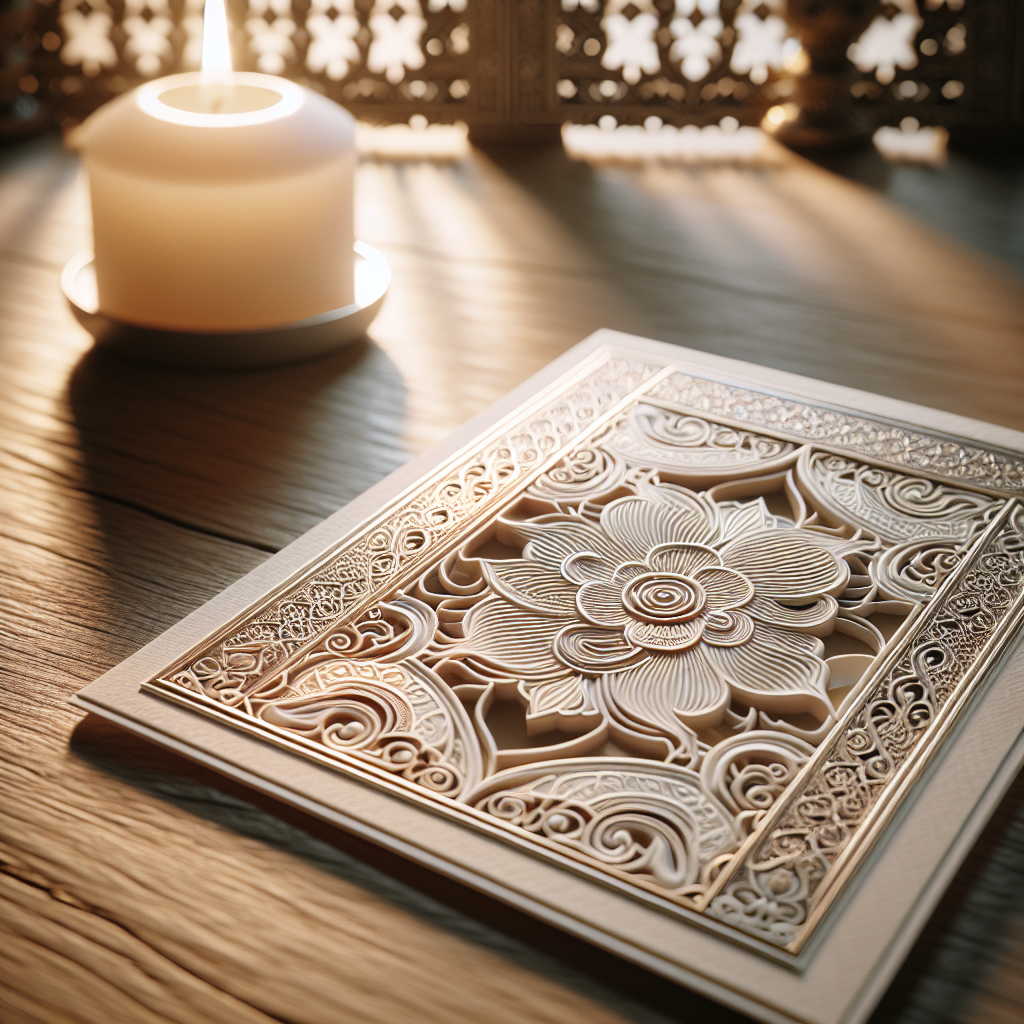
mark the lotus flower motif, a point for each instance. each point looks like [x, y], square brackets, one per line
[658, 615]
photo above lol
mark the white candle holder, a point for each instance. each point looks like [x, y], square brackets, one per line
[229, 350]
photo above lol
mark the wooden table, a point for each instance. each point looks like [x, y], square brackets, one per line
[140, 888]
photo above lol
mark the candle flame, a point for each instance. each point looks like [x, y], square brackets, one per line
[216, 41]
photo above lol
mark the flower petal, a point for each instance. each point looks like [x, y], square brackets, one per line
[638, 525]
[727, 628]
[684, 559]
[628, 571]
[701, 513]
[549, 540]
[739, 518]
[786, 639]
[601, 604]
[658, 636]
[531, 586]
[785, 565]
[773, 678]
[726, 588]
[585, 566]
[593, 651]
[564, 704]
[504, 634]
[818, 618]
[668, 690]
[824, 537]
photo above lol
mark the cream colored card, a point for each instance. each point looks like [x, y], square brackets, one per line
[712, 665]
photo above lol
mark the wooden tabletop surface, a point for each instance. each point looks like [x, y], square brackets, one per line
[140, 888]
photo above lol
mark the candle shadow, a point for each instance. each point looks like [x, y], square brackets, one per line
[256, 458]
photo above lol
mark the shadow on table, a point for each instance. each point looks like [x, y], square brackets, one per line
[976, 196]
[937, 981]
[256, 457]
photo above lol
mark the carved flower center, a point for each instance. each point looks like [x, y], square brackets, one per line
[663, 597]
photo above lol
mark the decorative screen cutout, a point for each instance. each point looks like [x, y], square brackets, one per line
[494, 62]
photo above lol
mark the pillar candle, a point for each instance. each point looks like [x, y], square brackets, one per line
[221, 201]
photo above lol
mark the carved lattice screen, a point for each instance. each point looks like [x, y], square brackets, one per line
[520, 67]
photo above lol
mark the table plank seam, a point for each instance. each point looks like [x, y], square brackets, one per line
[163, 517]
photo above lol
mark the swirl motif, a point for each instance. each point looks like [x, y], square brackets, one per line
[399, 718]
[664, 597]
[748, 772]
[584, 473]
[914, 570]
[349, 716]
[399, 540]
[903, 447]
[893, 506]
[654, 824]
[692, 449]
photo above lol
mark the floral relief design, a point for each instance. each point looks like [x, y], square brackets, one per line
[661, 613]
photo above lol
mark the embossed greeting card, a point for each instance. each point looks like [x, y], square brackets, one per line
[711, 665]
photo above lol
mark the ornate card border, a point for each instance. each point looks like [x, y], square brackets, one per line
[791, 870]
[783, 880]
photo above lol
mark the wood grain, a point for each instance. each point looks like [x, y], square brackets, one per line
[140, 888]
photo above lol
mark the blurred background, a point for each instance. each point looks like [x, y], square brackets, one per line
[514, 69]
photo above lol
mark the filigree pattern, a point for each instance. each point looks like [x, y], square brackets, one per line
[633, 632]
[631, 45]
[675, 443]
[333, 27]
[760, 40]
[386, 60]
[893, 506]
[697, 45]
[888, 44]
[399, 718]
[699, 60]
